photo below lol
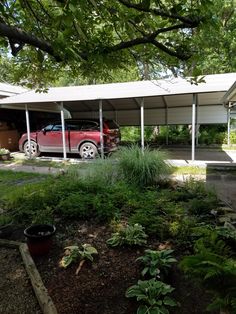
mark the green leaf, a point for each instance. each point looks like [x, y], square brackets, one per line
[143, 309]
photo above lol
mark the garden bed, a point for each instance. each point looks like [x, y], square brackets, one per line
[182, 234]
[100, 286]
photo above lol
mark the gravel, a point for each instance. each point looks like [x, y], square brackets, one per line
[16, 293]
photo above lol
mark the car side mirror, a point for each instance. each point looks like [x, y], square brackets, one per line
[44, 131]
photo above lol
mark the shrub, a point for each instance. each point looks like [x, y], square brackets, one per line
[142, 168]
[129, 235]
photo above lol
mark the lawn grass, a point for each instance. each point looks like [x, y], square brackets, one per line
[9, 180]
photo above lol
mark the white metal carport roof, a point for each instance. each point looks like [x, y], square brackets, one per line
[169, 101]
[171, 93]
[10, 90]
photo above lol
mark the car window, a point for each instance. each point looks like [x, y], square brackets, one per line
[48, 127]
[89, 125]
[74, 126]
[57, 127]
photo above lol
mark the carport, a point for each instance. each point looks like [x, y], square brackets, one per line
[158, 102]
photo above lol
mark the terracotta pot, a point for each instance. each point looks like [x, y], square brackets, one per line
[39, 238]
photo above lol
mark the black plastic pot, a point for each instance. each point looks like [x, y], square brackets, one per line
[39, 238]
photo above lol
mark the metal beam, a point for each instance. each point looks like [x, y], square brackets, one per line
[137, 103]
[110, 104]
[63, 132]
[193, 125]
[101, 129]
[28, 130]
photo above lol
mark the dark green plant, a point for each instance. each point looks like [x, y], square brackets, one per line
[142, 168]
[129, 235]
[154, 296]
[202, 207]
[156, 212]
[156, 262]
[214, 270]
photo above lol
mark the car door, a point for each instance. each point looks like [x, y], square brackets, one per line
[50, 138]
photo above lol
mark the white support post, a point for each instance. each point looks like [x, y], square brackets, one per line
[228, 125]
[193, 126]
[101, 129]
[197, 124]
[167, 125]
[142, 122]
[63, 132]
[28, 130]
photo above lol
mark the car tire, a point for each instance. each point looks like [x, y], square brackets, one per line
[88, 151]
[34, 149]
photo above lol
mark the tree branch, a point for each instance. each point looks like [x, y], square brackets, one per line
[147, 40]
[17, 36]
[193, 22]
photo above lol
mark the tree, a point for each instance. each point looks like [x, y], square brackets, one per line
[49, 37]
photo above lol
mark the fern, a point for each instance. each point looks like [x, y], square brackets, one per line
[215, 271]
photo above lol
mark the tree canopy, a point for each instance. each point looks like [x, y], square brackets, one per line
[93, 38]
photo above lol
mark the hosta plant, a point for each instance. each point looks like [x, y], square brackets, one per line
[129, 235]
[154, 296]
[156, 262]
[74, 252]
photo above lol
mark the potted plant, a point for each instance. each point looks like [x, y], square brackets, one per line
[4, 154]
[39, 238]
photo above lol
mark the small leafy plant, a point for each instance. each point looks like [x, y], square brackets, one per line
[154, 295]
[4, 151]
[72, 253]
[156, 261]
[129, 235]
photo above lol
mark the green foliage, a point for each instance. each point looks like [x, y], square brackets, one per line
[202, 207]
[154, 211]
[156, 262]
[154, 294]
[72, 253]
[91, 38]
[176, 134]
[128, 235]
[212, 267]
[142, 168]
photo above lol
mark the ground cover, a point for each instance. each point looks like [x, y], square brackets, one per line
[108, 208]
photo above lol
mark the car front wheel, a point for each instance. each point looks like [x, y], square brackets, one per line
[88, 151]
[34, 149]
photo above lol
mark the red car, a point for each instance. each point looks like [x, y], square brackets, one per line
[82, 136]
